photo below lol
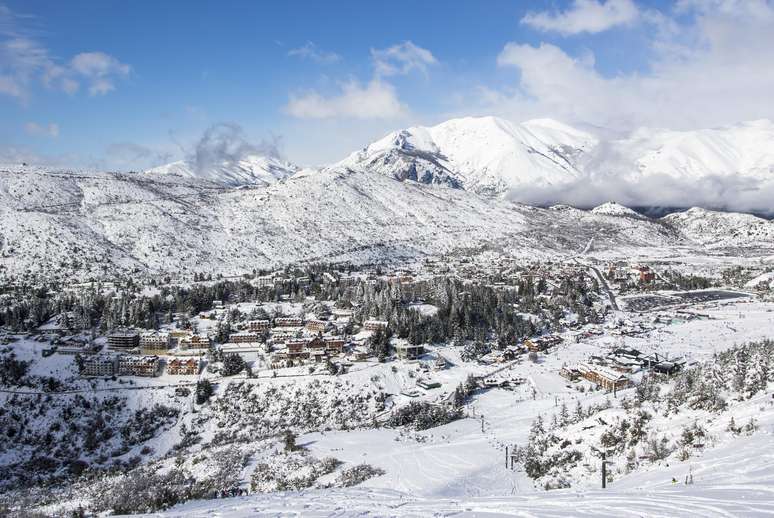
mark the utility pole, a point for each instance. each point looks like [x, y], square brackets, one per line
[604, 469]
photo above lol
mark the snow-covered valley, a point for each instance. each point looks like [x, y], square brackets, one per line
[439, 326]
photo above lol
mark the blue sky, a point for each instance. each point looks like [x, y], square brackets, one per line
[127, 85]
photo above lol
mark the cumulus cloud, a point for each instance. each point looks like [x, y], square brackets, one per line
[25, 61]
[590, 16]
[42, 130]
[227, 142]
[314, 53]
[401, 59]
[716, 69]
[375, 100]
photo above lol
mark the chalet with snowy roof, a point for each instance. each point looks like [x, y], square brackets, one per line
[606, 378]
[334, 345]
[297, 349]
[316, 343]
[570, 373]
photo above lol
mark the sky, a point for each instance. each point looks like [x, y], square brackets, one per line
[130, 85]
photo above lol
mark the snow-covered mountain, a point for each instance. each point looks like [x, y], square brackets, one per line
[480, 154]
[746, 149]
[612, 208]
[534, 161]
[722, 228]
[249, 170]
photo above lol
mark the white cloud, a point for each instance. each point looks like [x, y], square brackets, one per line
[716, 69]
[590, 16]
[402, 59]
[376, 100]
[42, 130]
[24, 61]
[314, 53]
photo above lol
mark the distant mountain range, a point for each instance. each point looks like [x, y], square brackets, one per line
[414, 193]
[492, 156]
[249, 170]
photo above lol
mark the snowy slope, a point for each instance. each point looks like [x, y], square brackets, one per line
[612, 208]
[722, 228]
[746, 149]
[250, 170]
[75, 225]
[481, 154]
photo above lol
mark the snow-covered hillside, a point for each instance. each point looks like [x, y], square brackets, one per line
[249, 170]
[722, 228]
[746, 149]
[481, 154]
[612, 208]
[67, 225]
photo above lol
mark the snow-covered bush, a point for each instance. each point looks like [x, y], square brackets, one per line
[290, 471]
[357, 475]
[422, 415]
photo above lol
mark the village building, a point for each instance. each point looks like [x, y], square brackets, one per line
[124, 340]
[179, 366]
[342, 314]
[542, 343]
[281, 335]
[317, 326]
[334, 345]
[606, 378]
[151, 341]
[359, 354]
[296, 349]
[132, 365]
[316, 343]
[288, 322]
[100, 365]
[647, 276]
[374, 325]
[264, 281]
[73, 346]
[195, 341]
[258, 325]
[407, 351]
[244, 337]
